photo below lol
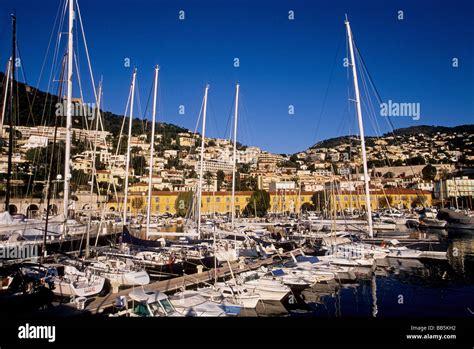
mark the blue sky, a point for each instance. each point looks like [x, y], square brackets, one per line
[282, 62]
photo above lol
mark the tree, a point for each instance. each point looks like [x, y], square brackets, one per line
[428, 172]
[138, 165]
[98, 164]
[220, 179]
[248, 184]
[307, 207]
[385, 202]
[389, 175]
[319, 200]
[79, 177]
[294, 158]
[444, 174]
[397, 162]
[174, 162]
[244, 168]
[208, 177]
[183, 203]
[137, 203]
[417, 160]
[286, 163]
[259, 202]
[419, 201]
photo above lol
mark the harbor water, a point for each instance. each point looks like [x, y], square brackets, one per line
[395, 288]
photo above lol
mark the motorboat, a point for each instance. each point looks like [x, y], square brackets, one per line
[192, 303]
[268, 289]
[148, 304]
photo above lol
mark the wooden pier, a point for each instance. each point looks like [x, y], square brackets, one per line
[99, 304]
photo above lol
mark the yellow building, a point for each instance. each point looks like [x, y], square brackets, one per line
[212, 202]
[379, 199]
[281, 201]
[161, 202]
[104, 176]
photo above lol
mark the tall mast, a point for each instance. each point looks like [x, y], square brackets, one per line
[67, 152]
[51, 161]
[361, 128]
[94, 171]
[234, 157]
[5, 95]
[127, 163]
[202, 161]
[12, 113]
[152, 149]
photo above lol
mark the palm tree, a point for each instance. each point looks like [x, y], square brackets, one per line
[208, 177]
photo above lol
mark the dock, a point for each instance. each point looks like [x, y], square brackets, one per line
[97, 305]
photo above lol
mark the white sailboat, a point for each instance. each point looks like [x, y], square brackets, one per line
[70, 282]
[368, 207]
[118, 272]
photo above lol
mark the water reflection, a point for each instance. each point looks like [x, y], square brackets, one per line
[397, 287]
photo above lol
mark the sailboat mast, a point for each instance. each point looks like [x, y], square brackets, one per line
[94, 172]
[67, 152]
[127, 163]
[12, 113]
[5, 95]
[361, 128]
[201, 168]
[152, 149]
[234, 157]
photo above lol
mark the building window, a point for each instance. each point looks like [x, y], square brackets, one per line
[157, 199]
[167, 208]
[227, 200]
[218, 199]
[236, 199]
[208, 199]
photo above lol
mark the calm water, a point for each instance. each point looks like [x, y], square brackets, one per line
[398, 288]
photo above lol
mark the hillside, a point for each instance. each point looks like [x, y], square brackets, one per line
[42, 112]
[430, 130]
[402, 132]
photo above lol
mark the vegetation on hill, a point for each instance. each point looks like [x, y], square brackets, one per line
[36, 107]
